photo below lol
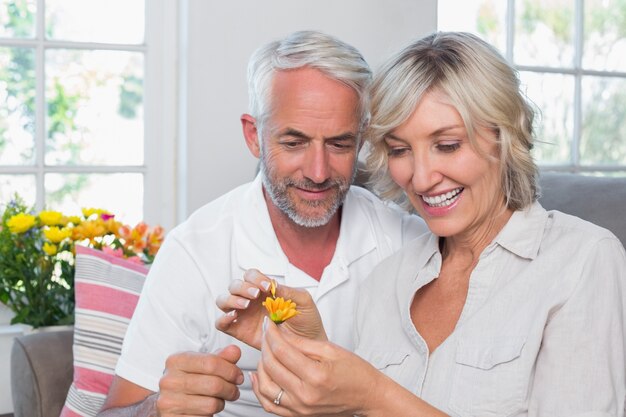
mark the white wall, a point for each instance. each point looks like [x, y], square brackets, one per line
[221, 36]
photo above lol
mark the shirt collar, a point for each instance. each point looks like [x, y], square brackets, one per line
[356, 234]
[523, 232]
[421, 260]
[255, 244]
[521, 235]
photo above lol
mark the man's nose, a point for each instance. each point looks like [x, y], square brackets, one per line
[316, 165]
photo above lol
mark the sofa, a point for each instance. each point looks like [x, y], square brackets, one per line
[41, 364]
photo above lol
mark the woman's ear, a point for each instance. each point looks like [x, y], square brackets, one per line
[250, 133]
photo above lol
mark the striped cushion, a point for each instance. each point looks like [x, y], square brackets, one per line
[107, 291]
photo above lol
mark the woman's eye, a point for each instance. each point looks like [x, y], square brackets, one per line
[396, 152]
[448, 147]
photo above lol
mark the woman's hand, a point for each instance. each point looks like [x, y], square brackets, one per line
[244, 311]
[314, 377]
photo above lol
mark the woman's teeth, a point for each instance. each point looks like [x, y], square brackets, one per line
[443, 200]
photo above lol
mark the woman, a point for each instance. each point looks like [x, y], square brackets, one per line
[504, 308]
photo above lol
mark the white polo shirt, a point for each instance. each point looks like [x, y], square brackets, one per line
[177, 311]
[542, 332]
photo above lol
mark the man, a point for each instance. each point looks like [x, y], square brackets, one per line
[298, 222]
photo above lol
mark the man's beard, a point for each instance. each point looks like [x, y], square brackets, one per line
[278, 190]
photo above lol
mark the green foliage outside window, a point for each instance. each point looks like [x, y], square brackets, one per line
[18, 85]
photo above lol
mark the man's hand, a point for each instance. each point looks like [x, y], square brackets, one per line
[244, 312]
[192, 384]
[199, 383]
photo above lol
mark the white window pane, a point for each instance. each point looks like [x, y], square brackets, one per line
[605, 35]
[544, 33]
[95, 107]
[553, 94]
[107, 21]
[486, 18]
[17, 18]
[121, 194]
[604, 121]
[17, 106]
[23, 185]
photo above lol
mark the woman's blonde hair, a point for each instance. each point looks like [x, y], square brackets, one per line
[483, 88]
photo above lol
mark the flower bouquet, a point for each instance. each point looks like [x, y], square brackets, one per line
[37, 257]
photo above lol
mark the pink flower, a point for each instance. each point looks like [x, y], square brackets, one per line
[107, 216]
[135, 259]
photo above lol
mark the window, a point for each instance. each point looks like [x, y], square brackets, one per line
[570, 55]
[82, 114]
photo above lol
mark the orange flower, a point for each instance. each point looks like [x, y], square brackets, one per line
[113, 226]
[273, 288]
[279, 309]
[134, 239]
[155, 239]
[89, 230]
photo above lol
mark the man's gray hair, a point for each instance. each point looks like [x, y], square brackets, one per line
[336, 59]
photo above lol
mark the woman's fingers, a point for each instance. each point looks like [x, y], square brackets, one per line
[291, 357]
[318, 377]
[273, 348]
[272, 397]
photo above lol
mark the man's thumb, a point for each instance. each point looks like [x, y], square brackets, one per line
[298, 295]
[231, 353]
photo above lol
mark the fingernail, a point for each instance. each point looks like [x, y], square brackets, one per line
[232, 313]
[254, 292]
[265, 285]
[239, 380]
[264, 324]
[250, 273]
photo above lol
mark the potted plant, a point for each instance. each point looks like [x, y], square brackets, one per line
[37, 257]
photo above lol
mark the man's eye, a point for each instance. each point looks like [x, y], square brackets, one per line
[291, 144]
[342, 146]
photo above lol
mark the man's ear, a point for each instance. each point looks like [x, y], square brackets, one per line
[248, 124]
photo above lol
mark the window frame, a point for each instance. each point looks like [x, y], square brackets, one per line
[579, 73]
[160, 110]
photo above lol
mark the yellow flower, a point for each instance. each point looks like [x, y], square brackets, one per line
[75, 220]
[55, 234]
[279, 309]
[50, 248]
[21, 223]
[52, 218]
[88, 212]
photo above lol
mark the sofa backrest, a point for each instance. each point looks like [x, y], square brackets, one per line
[599, 200]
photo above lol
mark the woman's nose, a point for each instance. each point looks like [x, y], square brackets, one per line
[426, 174]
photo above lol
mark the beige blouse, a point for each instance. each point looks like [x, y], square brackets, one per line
[542, 332]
